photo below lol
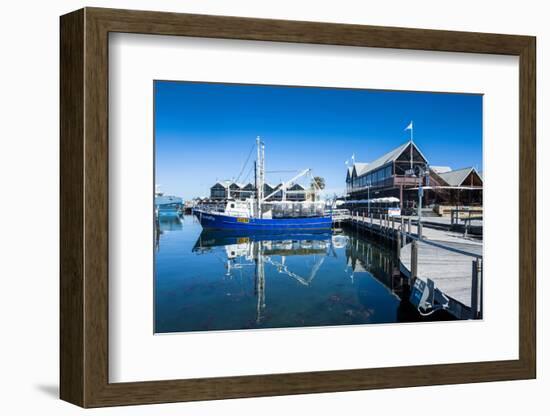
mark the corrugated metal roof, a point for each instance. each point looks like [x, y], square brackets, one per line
[228, 183]
[441, 169]
[456, 177]
[225, 184]
[297, 186]
[362, 168]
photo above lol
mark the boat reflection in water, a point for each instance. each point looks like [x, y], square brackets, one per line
[273, 249]
[165, 224]
[227, 280]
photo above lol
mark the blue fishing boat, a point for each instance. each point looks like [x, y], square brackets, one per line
[221, 221]
[260, 213]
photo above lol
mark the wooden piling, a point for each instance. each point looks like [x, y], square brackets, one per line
[414, 261]
[398, 246]
[474, 303]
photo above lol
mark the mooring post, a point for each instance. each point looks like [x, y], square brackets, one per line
[480, 284]
[467, 223]
[474, 304]
[398, 245]
[414, 261]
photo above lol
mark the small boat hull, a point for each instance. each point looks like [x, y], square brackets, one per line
[219, 221]
[168, 212]
[168, 206]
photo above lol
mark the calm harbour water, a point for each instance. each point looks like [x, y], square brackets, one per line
[226, 281]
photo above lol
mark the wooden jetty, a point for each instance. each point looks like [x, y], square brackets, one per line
[447, 264]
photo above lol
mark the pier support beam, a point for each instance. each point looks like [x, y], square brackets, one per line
[476, 292]
[414, 261]
[398, 245]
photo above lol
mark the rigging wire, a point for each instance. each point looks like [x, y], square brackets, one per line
[246, 162]
[246, 178]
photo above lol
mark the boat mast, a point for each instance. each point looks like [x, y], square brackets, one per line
[260, 173]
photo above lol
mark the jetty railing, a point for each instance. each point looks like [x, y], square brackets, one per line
[399, 229]
[455, 218]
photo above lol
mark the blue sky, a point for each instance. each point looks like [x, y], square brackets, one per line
[204, 132]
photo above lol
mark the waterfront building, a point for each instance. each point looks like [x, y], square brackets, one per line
[247, 191]
[296, 193]
[223, 190]
[401, 171]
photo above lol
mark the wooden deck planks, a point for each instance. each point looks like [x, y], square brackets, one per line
[451, 272]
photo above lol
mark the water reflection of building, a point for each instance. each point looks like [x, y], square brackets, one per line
[365, 256]
[257, 251]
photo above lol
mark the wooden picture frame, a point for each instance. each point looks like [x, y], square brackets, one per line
[84, 207]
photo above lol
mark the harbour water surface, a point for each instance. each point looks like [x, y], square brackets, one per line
[226, 281]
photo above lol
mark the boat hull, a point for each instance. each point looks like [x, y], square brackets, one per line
[218, 221]
[168, 212]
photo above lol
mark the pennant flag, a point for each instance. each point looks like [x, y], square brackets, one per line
[410, 126]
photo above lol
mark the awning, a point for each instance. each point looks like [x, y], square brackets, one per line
[468, 188]
[386, 200]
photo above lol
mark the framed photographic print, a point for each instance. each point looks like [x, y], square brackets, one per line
[256, 207]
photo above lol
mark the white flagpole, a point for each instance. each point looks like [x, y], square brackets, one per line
[411, 128]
